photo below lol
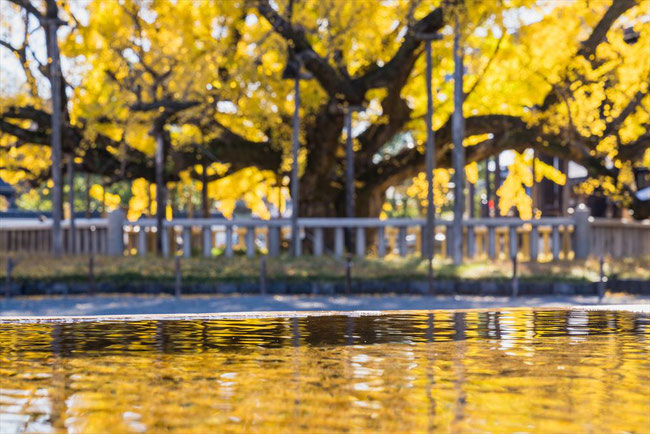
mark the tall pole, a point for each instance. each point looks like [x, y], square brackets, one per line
[160, 187]
[350, 211]
[104, 186]
[458, 156]
[205, 206]
[73, 235]
[488, 187]
[429, 237]
[295, 182]
[533, 188]
[55, 80]
[349, 166]
[564, 206]
[470, 200]
[87, 195]
[497, 184]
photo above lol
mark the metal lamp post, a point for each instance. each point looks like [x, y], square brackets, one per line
[73, 234]
[429, 237]
[55, 136]
[458, 155]
[292, 71]
[350, 211]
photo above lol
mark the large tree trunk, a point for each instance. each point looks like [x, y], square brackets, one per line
[321, 185]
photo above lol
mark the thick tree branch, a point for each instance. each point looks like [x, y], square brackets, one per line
[38, 116]
[29, 7]
[588, 47]
[599, 33]
[410, 161]
[167, 104]
[22, 134]
[397, 113]
[10, 47]
[404, 57]
[509, 133]
[615, 125]
[634, 151]
[329, 78]
[227, 147]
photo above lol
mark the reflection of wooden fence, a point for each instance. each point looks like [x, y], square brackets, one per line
[544, 239]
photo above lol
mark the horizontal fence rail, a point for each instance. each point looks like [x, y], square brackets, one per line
[33, 235]
[619, 239]
[544, 239]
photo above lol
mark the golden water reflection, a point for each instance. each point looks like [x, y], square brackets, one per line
[517, 371]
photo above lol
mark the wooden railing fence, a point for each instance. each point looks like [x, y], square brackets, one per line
[545, 239]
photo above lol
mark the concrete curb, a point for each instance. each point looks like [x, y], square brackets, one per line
[280, 287]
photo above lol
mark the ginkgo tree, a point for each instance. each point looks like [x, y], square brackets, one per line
[202, 83]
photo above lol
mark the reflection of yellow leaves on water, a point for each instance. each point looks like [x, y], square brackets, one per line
[512, 371]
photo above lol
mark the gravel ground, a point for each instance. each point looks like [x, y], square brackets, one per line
[49, 306]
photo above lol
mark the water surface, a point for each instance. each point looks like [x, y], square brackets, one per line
[508, 371]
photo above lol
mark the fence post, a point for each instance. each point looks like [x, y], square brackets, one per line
[142, 241]
[361, 242]
[206, 234]
[274, 240]
[187, 241]
[166, 241]
[555, 240]
[115, 233]
[471, 241]
[603, 279]
[534, 243]
[582, 231]
[492, 242]
[229, 241]
[424, 242]
[250, 241]
[338, 241]
[318, 241]
[381, 242]
[401, 242]
[513, 241]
